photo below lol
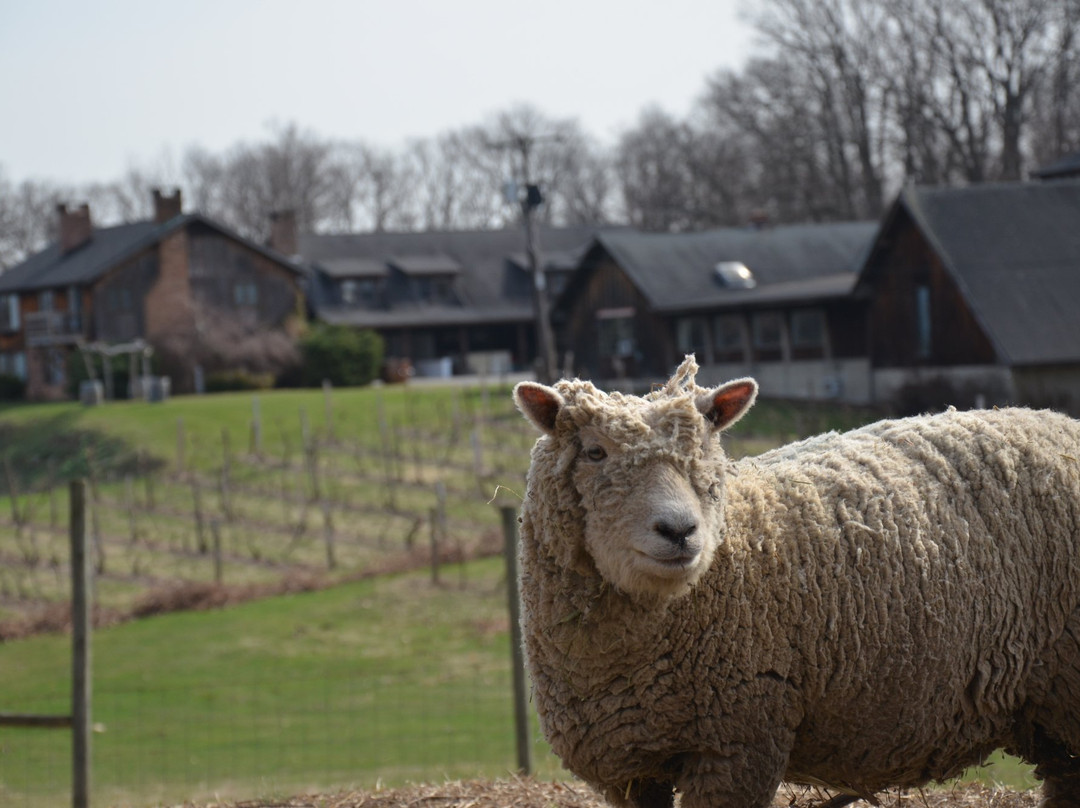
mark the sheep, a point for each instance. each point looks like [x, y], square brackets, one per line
[857, 611]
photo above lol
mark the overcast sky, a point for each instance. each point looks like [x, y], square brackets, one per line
[89, 89]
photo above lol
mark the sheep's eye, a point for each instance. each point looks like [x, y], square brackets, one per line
[595, 454]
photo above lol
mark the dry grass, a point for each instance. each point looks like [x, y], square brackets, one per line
[528, 793]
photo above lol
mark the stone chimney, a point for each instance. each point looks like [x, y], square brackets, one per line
[166, 207]
[75, 227]
[283, 232]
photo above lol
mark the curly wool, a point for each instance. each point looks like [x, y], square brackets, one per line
[885, 607]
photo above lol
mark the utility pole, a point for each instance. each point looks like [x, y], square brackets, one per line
[529, 202]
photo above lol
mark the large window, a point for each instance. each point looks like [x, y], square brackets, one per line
[728, 338]
[691, 337]
[923, 329]
[9, 313]
[616, 333]
[808, 333]
[768, 336]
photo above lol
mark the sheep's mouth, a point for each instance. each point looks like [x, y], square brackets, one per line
[682, 562]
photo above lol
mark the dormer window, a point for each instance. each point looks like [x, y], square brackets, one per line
[430, 277]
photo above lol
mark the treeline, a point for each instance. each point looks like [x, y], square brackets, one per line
[848, 100]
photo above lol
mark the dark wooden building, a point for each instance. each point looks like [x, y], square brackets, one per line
[446, 301]
[772, 302]
[188, 286]
[973, 296]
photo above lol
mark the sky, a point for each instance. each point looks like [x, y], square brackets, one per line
[89, 90]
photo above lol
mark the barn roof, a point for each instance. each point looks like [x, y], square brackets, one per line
[1014, 251]
[678, 271]
[108, 247]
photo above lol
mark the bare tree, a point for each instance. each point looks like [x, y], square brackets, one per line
[27, 217]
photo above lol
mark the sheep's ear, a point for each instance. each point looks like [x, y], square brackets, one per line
[724, 405]
[539, 403]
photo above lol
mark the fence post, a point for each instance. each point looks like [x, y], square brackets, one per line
[517, 654]
[80, 648]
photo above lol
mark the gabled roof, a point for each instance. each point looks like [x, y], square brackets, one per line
[489, 282]
[1014, 252]
[107, 248]
[677, 271]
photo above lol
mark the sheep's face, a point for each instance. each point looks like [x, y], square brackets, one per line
[648, 474]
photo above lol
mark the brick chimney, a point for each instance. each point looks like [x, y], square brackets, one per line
[283, 232]
[75, 227]
[166, 207]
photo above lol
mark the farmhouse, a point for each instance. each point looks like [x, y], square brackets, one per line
[181, 282]
[447, 302]
[973, 294]
[774, 302]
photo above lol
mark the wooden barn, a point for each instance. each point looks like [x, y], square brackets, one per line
[194, 291]
[973, 296]
[772, 302]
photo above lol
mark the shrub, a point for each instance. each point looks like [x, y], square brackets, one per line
[12, 388]
[226, 380]
[348, 357]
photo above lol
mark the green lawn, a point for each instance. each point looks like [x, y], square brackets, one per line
[391, 680]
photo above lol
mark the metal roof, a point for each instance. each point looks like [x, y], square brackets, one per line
[676, 271]
[109, 246]
[1014, 251]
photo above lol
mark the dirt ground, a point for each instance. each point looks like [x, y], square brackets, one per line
[527, 793]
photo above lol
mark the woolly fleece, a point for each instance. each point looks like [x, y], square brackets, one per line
[880, 608]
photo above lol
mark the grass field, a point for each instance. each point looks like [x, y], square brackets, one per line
[390, 680]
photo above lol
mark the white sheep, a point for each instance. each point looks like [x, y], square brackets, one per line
[879, 608]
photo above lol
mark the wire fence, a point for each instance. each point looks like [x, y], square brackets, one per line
[320, 505]
[255, 737]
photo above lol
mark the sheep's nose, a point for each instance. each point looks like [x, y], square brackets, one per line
[676, 532]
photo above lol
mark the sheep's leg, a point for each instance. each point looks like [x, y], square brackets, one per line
[650, 794]
[747, 778]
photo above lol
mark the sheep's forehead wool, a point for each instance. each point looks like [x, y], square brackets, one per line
[666, 421]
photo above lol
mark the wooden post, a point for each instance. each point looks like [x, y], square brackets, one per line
[433, 514]
[328, 404]
[256, 427]
[216, 531]
[80, 648]
[180, 445]
[517, 654]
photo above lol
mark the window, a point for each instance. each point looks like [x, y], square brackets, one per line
[768, 331]
[808, 329]
[74, 308]
[45, 300]
[435, 290]
[348, 291]
[690, 336]
[13, 364]
[9, 313]
[922, 321]
[246, 294]
[728, 337]
[616, 332]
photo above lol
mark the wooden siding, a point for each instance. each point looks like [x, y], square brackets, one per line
[896, 275]
[605, 287]
[118, 306]
[218, 266]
